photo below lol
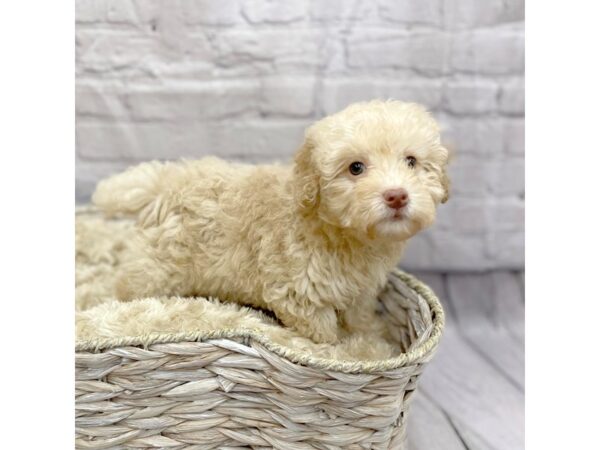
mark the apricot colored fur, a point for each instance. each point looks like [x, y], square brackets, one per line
[310, 242]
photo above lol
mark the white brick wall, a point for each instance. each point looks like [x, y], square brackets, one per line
[242, 78]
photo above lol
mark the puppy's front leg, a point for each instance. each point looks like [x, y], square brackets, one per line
[362, 318]
[320, 324]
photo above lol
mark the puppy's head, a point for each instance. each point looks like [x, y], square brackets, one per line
[376, 168]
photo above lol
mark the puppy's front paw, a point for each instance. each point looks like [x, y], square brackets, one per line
[362, 318]
[320, 324]
[321, 327]
[323, 336]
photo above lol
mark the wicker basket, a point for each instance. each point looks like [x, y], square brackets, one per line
[239, 390]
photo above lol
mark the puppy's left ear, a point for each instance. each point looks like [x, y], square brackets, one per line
[444, 179]
[446, 185]
[306, 178]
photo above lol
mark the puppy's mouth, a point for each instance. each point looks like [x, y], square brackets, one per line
[394, 217]
[398, 215]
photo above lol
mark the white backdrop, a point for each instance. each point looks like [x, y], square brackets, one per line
[243, 78]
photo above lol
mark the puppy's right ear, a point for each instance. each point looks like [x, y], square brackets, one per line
[444, 179]
[306, 179]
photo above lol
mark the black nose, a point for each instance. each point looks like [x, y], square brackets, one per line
[396, 198]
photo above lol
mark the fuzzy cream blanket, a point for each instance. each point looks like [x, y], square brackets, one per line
[101, 249]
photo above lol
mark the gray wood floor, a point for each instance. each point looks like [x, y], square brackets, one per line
[471, 396]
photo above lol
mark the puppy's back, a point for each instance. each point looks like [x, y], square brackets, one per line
[147, 191]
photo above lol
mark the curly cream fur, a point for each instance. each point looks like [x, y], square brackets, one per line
[310, 242]
[103, 246]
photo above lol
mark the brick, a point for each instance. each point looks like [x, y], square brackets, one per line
[84, 188]
[271, 11]
[451, 250]
[289, 96]
[425, 52]
[419, 254]
[495, 297]
[469, 177]
[506, 249]
[332, 10]
[116, 11]
[512, 98]
[435, 249]
[473, 296]
[507, 215]
[302, 47]
[243, 78]
[132, 54]
[183, 54]
[90, 11]
[180, 43]
[509, 300]
[514, 137]
[339, 93]
[189, 70]
[193, 101]
[463, 215]
[470, 97]
[88, 173]
[460, 14]
[467, 136]
[244, 140]
[458, 251]
[133, 11]
[448, 251]
[113, 52]
[489, 51]
[435, 281]
[211, 12]
[334, 53]
[100, 100]
[427, 12]
[507, 177]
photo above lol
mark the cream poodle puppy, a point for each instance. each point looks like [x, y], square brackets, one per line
[312, 242]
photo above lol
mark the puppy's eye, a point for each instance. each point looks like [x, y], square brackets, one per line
[411, 161]
[357, 167]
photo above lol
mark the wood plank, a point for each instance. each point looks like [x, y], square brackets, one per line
[499, 348]
[521, 277]
[487, 299]
[473, 388]
[486, 408]
[509, 302]
[437, 282]
[490, 316]
[430, 428]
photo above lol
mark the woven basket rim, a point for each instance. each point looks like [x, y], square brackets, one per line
[415, 355]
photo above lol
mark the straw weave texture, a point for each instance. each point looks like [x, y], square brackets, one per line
[238, 390]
